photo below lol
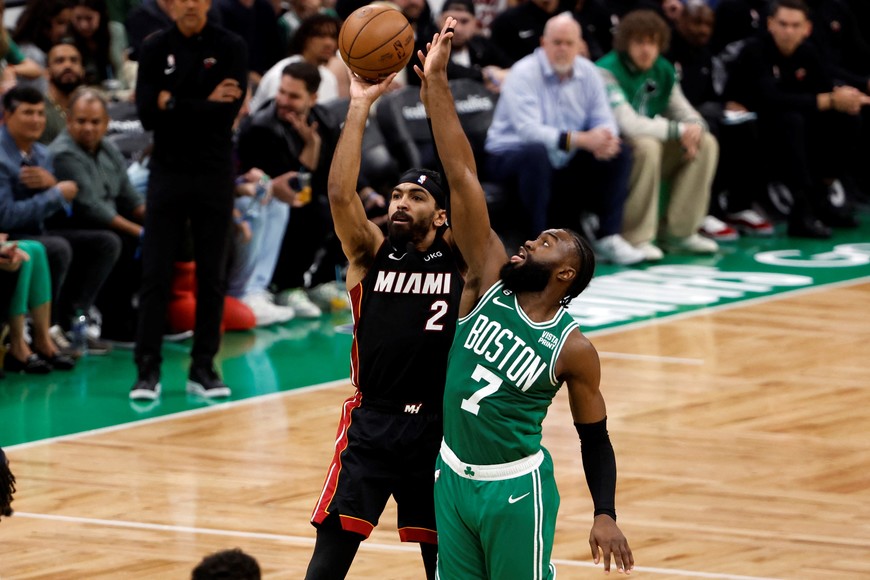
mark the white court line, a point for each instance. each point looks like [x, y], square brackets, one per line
[651, 358]
[731, 305]
[371, 546]
[330, 384]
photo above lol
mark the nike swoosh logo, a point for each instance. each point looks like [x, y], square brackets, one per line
[169, 71]
[498, 302]
[526, 33]
[513, 499]
[393, 257]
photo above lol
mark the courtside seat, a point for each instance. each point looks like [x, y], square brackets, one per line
[377, 164]
[402, 118]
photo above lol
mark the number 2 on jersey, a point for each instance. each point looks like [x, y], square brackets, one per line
[439, 307]
[493, 382]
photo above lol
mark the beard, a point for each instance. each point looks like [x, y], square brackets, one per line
[525, 277]
[68, 86]
[403, 233]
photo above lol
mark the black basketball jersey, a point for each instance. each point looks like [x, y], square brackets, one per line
[404, 313]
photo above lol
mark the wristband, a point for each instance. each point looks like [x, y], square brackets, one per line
[565, 141]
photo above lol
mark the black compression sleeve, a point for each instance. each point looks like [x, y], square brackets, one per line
[599, 463]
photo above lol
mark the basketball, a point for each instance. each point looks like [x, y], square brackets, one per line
[376, 41]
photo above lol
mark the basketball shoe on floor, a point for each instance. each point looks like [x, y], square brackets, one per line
[298, 300]
[651, 252]
[205, 382]
[715, 229]
[694, 244]
[266, 312]
[330, 296]
[616, 250]
[147, 386]
[750, 222]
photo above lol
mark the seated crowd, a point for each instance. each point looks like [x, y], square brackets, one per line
[651, 126]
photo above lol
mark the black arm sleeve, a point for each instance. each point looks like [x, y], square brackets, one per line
[599, 464]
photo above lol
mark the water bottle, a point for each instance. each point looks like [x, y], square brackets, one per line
[79, 332]
[261, 189]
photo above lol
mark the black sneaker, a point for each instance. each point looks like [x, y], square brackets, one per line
[205, 382]
[810, 228]
[147, 387]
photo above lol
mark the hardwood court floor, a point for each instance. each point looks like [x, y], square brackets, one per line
[742, 438]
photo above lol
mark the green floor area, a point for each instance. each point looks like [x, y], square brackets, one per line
[301, 353]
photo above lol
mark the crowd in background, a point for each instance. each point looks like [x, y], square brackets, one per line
[652, 127]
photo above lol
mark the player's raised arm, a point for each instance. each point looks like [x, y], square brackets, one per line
[359, 237]
[481, 248]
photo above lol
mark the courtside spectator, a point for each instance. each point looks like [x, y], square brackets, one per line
[65, 74]
[807, 125]
[668, 137]
[106, 201]
[30, 196]
[553, 134]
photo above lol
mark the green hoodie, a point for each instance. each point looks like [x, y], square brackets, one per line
[648, 92]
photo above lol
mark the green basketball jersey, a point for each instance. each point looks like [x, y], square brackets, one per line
[501, 379]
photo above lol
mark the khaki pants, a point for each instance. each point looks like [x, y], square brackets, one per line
[690, 183]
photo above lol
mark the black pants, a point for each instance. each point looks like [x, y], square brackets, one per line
[117, 296]
[80, 262]
[804, 150]
[206, 201]
[555, 197]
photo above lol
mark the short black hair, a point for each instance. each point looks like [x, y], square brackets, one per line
[18, 95]
[88, 94]
[7, 486]
[459, 5]
[585, 269]
[305, 72]
[227, 565]
[791, 5]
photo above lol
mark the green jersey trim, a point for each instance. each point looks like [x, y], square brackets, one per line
[558, 350]
[480, 303]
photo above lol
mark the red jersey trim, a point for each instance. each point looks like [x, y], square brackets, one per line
[321, 510]
[419, 535]
[356, 295]
[356, 525]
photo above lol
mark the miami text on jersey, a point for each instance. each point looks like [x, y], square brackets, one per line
[413, 283]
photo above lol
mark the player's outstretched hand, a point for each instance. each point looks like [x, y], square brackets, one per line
[437, 54]
[361, 89]
[607, 541]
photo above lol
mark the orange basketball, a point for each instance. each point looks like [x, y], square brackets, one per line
[376, 41]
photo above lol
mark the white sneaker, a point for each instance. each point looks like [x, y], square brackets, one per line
[751, 222]
[694, 244]
[717, 230]
[298, 300]
[265, 311]
[330, 296]
[617, 250]
[651, 252]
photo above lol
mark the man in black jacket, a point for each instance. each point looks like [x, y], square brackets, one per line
[192, 77]
[806, 123]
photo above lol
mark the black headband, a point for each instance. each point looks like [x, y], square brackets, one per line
[424, 180]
